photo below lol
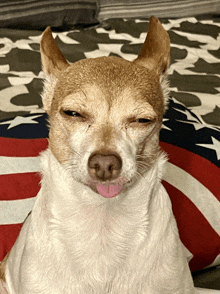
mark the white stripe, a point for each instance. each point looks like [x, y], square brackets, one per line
[215, 262]
[15, 211]
[16, 165]
[204, 200]
[187, 253]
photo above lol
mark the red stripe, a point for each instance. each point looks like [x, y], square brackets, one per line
[22, 147]
[8, 236]
[195, 231]
[200, 168]
[19, 186]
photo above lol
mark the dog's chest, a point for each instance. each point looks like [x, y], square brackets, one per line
[102, 248]
[104, 235]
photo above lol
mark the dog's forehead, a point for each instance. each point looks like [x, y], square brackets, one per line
[109, 77]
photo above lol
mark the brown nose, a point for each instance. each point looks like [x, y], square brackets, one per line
[104, 166]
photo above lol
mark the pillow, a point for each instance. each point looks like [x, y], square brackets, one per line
[192, 182]
[162, 8]
[38, 15]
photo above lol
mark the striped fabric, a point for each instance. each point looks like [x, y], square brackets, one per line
[34, 14]
[159, 8]
[196, 203]
[197, 217]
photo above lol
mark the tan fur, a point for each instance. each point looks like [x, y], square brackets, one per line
[94, 89]
[58, 62]
[155, 54]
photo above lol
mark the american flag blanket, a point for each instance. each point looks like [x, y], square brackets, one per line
[190, 134]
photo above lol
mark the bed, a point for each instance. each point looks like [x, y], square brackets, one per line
[191, 126]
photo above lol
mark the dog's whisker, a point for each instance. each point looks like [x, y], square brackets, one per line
[76, 152]
[138, 176]
[70, 167]
[143, 164]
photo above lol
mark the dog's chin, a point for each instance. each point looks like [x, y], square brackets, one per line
[108, 189]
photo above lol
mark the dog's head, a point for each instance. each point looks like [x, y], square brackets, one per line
[105, 113]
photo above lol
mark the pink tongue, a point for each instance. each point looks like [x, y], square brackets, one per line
[109, 191]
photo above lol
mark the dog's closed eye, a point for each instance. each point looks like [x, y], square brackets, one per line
[143, 120]
[73, 116]
[141, 123]
[72, 113]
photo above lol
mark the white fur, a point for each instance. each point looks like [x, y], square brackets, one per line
[75, 241]
[3, 287]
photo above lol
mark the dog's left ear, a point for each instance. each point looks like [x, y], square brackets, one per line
[155, 53]
[53, 61]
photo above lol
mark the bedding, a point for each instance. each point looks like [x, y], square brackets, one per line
[160, 8]
[59, 14]
[190, 134]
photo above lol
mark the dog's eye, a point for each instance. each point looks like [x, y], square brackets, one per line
[140, 122]
[72, 113]
[143, 120]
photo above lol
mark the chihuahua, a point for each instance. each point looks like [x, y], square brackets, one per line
[102, 222]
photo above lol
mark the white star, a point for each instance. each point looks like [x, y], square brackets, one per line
[106, 49]
[189, 116]
[122, 36]
[164, 126]
[214, 146]
[19, 120]
[66, 39]
[197, 125]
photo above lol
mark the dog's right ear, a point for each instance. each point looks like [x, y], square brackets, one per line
[53, 61]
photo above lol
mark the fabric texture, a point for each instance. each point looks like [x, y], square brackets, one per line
[190, 133]
[159, 8]
[34, 14]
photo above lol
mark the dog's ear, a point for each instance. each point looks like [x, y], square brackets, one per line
[53, 61]
[155, 53]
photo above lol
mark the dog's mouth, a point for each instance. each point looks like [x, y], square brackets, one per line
[108, 189]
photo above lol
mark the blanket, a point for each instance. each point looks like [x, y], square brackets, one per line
[190, 133]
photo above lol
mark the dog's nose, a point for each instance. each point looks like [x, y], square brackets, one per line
[104, 166]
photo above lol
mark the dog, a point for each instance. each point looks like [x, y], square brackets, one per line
[102, 222]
